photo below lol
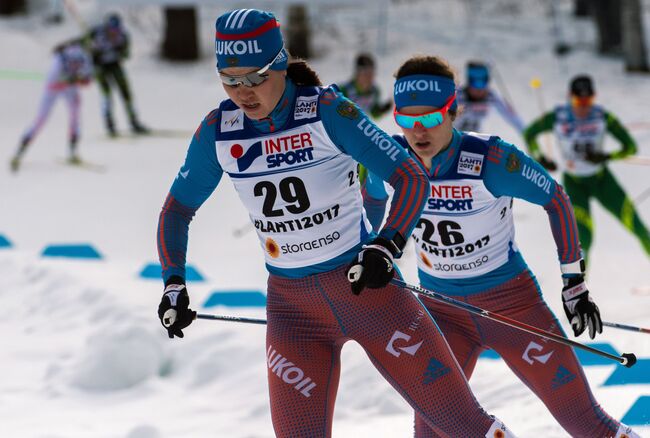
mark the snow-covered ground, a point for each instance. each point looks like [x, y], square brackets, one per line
[82, 353]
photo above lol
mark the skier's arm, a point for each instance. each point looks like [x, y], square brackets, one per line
[543, 124]
[194, 183]
[353, 132]
[375, 199]
[518, 175]
[619, 132]
[508, 113]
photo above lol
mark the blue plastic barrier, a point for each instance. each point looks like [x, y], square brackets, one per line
[638, 374]
[81, 251]
[489, 354]
[236, 298]
[153, 271]
[639, 413]
[4, 242]
[588, 359]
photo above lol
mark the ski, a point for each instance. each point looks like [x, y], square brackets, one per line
[82, 164]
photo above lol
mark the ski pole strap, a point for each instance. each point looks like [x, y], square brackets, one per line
[230, 318]
[626, 359]
[626, 327]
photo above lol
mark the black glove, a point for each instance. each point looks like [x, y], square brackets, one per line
[373, 266]
[547, 164]
[173, 310]
[580, 309]
[597, 157]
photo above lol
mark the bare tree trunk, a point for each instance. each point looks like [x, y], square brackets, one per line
[633, 36]
[10, 7]
[180, 41]
[607, 14]
[298, 33]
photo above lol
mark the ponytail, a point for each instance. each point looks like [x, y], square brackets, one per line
[302, 74]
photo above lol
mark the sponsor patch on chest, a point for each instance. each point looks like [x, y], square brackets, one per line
[305, 107]
[470, 163]
[232, 120]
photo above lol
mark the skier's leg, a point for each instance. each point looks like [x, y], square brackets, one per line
[123, 84]
[73, 100]
[102, 77]
[47, 102]
[550, 370]
[459, 330]
[407, 348]
[303, 344]
[615, 200]
[579, 191]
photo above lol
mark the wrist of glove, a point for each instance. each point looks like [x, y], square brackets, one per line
[174, 311]
[598, 157]
[580, 309]
[547, 164]
[373, 267]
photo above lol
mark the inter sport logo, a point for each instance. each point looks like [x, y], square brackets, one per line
[289, 149]
[244, 160]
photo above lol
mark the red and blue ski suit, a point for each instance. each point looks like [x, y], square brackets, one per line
[465, 247]
[295, 172]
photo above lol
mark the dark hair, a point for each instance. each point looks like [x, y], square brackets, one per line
[364, 60]
[582, 86]
[427, 65]
[302, 74]
[113, 20]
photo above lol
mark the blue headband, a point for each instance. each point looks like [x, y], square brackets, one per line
[249, 38]
[426, 90]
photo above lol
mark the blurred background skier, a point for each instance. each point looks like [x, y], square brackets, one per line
[580, 127]
[476, 98]
[71, 68]
[109, 44]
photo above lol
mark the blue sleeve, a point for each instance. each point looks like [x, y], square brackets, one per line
[374, 200]
[201, 172]
[510, 172]
[356, 135]
[194, 183]
[353, 132]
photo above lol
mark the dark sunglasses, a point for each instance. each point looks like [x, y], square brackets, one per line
[253, 78]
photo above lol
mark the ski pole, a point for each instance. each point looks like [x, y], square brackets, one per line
[643, 196]
[626, 327]
[635, 159]
[626, 359]
[501, 84]
[239, 232]
[230, 318]
[536, 84]
[72, 9]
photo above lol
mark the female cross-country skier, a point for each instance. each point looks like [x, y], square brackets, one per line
[580, 127]
[291, 149]
[465, 248]
[71, 68]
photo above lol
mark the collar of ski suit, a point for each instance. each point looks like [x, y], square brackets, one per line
[278, 117]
